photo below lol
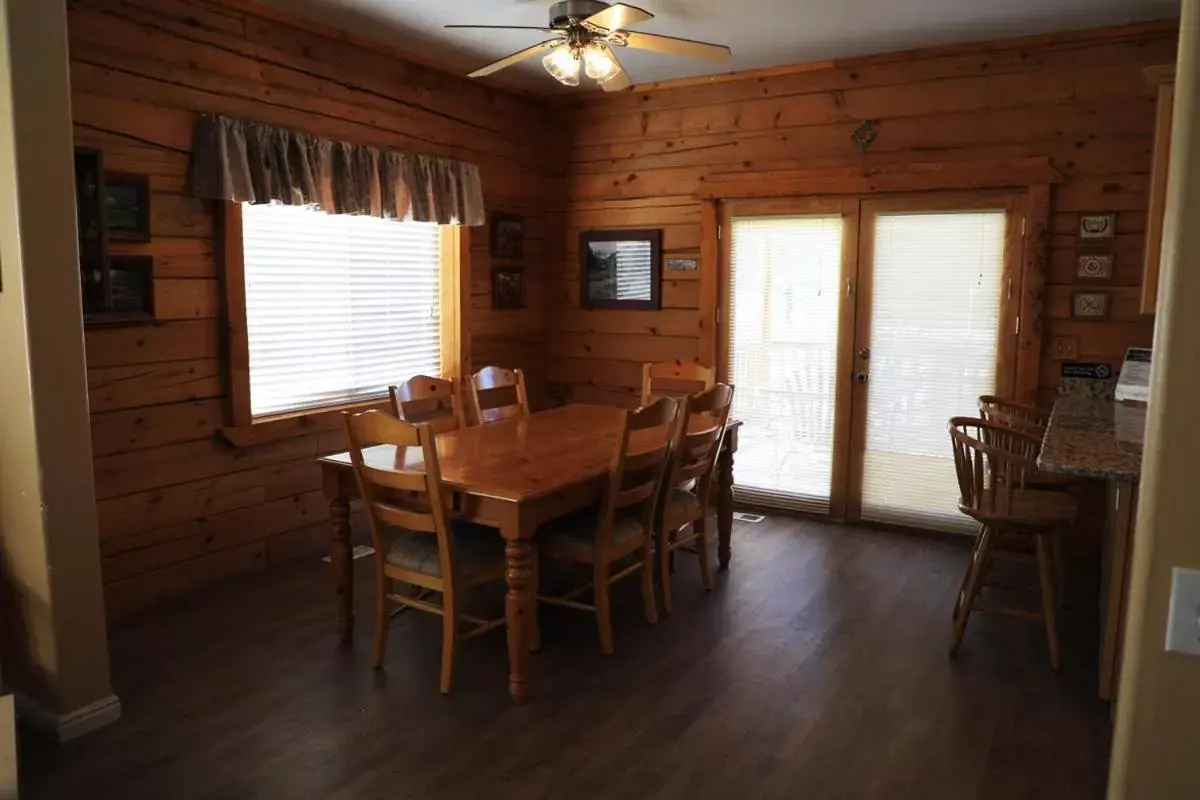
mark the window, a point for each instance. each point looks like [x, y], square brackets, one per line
[337, 308]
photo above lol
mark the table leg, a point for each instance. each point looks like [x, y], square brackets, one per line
[343, 564]
[520, 611]
[724, 505]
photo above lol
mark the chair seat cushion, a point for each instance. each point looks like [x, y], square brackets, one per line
[1029, 507]
[478, 552]
[681, 505]
[573, 537]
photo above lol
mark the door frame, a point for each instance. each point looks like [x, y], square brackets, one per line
[1022, 303]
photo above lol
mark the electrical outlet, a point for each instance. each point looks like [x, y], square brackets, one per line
[1183, 623]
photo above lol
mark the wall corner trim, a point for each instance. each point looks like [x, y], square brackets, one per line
[65, 727]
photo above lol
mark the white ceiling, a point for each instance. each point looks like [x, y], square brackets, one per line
[762, 33]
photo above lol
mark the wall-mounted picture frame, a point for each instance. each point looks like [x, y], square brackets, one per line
[682, 264]
[508, 236]
[1095, 266]
[1090, 306]
[620, 269]
[508, 287]
[127, 206]
[1097, 226]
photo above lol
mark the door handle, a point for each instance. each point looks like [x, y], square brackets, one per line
[864, 353]
[861, 377]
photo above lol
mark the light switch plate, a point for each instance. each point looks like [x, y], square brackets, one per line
[1183, 623]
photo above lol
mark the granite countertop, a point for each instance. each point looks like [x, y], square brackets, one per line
[1093, 437]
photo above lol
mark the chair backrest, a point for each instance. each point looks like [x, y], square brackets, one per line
[430, 400]
[638, 465]
[675, 379]
[992, 462]
[1012, 414]
[411, 499]
[498, 393]
[701, 430]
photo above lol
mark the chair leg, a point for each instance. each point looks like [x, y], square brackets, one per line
[1048, 603]
[648, 584]
[382, 618]
[671, 537]
[701, 540]
[962, 588]
[603, 608]
[971, 588]
[1060, 569]
[664, 569]
[449, 636]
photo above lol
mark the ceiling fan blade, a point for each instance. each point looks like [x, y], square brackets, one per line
[673, 46]
[508, 61]
[618, 16]
[618, 82]
[502, 28]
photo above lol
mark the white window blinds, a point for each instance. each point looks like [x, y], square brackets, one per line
[935, 318]
[337, 307]
[633, 270]
[784, 301]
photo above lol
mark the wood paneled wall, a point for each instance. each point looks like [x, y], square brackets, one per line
[177, 505]
[638, 158]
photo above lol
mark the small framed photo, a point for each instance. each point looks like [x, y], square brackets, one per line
[127, 206]
[1090, 305]
[682, 264]
[508, 287]
[1095, 266]
[1097, 226]
[508, 236]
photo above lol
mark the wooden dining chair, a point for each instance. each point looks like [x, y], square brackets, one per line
[622, 525]
[675, 379]
[687, 490]
[430, 400]
[415, 541]
[497, 394]
[992, 462]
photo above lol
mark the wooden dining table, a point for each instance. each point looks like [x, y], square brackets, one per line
[513, 476]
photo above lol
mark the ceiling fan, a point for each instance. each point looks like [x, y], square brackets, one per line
[584, 35]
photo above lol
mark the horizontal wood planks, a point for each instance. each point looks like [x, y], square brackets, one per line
[178, 505]
[639, 159]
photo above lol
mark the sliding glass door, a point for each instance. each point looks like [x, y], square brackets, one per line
[855, 330]
[784, 305]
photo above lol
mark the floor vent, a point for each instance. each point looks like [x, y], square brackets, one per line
[360, 551]
[742, 516]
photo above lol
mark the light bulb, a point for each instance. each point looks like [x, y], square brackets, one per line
[563, 65]
[599, 64]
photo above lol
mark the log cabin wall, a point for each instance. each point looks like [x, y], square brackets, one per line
[637, 159]
[178, 507]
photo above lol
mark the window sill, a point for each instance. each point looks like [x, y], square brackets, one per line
[299, 423]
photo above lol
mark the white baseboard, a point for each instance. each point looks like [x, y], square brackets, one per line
[72, 725]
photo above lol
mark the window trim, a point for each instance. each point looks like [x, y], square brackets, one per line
[242, 429]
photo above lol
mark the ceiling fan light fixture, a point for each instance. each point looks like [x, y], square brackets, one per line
[598, 63]
[563, 64]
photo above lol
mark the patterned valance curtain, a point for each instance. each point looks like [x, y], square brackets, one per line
[244, 161]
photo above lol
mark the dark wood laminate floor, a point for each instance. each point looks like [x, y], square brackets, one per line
[817, 668]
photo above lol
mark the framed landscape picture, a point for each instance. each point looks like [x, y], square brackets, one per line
[620, 269]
